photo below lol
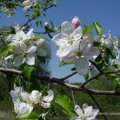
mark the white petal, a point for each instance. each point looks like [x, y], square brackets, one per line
[24, 109]
[66, 54]
[60, 40]
[14, 96]
[20, 47]
[77, 33]
[85, 106]
[90, 112]
[35, 96]
[45, 105]
[49, 97]
[32, 49]
[30, 34]
[67, 28]
[82, 65]
[30, 59]
[24, 96]
[20, 35]
[78, 110]
[92, 53]
[18, 61]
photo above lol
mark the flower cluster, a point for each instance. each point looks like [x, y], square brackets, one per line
[24, 102]
[88, 113]
[25, 49]
[28, 3]
[74, 46]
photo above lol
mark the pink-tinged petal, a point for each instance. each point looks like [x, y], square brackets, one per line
[82, 65]
[92, 53]
[67, 28]
[75, 22]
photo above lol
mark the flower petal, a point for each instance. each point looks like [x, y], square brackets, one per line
[32, 49]
[60, 40]
[67, 28]
[77, 33]
[18, 61]
[30, 59]
[35, 96]
[78, 110]
[45, 105]
[82, 65]
[92, 53]
[49, 97]
[24, 96]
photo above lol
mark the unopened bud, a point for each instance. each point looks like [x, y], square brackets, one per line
[46, 25]
[75, 22]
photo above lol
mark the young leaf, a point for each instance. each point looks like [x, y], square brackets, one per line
[27, 70]
[4, 50]
[87, 29]
[32, 116]
[98, 28]
[65, 104]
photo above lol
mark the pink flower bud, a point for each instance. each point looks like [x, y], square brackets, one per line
[75, 22]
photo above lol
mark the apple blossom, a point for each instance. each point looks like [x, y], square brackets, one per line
[75, 22]
[46, 100]
[88, 113]
[86, 52]
[68, 42]
[35, 96]
[22, 109]
[75, 48]
[28, 3]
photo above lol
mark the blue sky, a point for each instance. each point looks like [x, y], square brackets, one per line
[104, 11]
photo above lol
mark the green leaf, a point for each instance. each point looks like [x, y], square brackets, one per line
[4, 50]
[27, 70]
[65, 104]
[87, 29]
[63, 63]
[98, 28]
[32, 116]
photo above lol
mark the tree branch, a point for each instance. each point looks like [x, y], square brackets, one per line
[63, 83]
[98, 75]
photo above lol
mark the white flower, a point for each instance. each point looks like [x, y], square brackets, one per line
[16, 93]
[46, 100]
[20, 36]
[35, 96]
[28, 3]
[28, 58]
[75, 48]
[22, 109]
[68, 42]
[88, 113]
[110, 41]
[86, 52]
